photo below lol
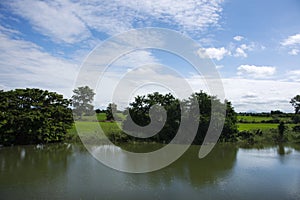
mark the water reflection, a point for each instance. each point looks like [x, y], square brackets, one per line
[188, 168]
[32, 163]
[70, 172]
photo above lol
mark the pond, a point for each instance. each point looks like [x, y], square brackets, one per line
[68, 171]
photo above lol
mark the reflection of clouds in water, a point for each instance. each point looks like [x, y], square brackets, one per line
[264, 158]
[22, 154]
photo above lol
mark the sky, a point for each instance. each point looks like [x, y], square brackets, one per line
[255, 45]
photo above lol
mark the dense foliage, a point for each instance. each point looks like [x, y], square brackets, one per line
[139, 112]
[30, 116]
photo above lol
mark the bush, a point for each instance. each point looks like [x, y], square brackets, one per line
[30, 116]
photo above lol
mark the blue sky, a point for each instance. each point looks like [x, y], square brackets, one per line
[254, 44]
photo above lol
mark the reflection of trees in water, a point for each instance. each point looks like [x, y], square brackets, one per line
[189, 168]
[33, 163]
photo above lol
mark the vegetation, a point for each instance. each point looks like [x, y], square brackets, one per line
[110, 110]
[30, 116]
[296, 103]
[33, 116]
[81, 101]
[139, 111]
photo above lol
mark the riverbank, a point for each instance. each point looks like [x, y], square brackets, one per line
[90, 131]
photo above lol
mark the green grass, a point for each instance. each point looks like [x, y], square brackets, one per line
[100, 117]
[255, 126]
[89, 131]
[261, 126]
[258, 119]
[253, 118]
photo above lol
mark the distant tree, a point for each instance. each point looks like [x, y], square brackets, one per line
[30, 116]
[295, 101]
[111, 108]
[81, 101]
[281, 128]
[98, 111]
[276, 112]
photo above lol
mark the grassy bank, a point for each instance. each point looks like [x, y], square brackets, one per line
[90, 128]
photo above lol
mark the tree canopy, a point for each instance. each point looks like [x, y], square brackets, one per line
[81, 101]
[30, 116]
[139, 110]
[295, 101]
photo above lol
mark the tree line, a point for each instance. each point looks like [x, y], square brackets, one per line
[29, 116]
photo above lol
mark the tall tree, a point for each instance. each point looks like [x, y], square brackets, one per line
[295, 101]
[81, 101]
[111, 108]
[33, 116]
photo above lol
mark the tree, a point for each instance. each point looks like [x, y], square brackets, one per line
[281, 128]
[296, 103]
[110, 110]
[81, 101]
[30, 116]
[139, 111]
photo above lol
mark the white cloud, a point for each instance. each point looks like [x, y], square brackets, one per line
[293, 75]
[238, 38]
[291, 40]
[256, 71]
[294, 52]
[239, 52]
[219, 66]
[260, 95]
[53, 19]
[24, 64]
[72, 21]
[213, 53]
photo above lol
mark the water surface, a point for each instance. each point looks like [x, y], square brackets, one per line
[66, 171]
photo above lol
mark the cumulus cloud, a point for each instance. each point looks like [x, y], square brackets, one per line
[291, 40]
[294, 52]
[238, 38]
[213, 53]
[256, 71]
[239, 52]
[293, 43]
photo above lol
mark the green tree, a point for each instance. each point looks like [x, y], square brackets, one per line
[295, 101]
[33, 116]
[111, 108]
[139, 111]
[205, 101]
[81, 101]
[140, 108]
[281, 128]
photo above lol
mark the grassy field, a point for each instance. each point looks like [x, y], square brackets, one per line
[259, 119]
[255, 126]
[90, 130]
[101, 117]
